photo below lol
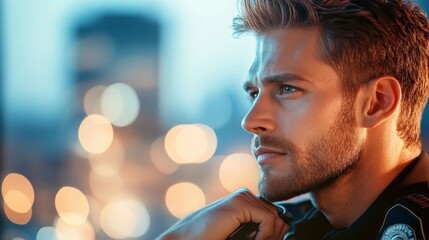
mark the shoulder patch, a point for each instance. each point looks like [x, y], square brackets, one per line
[407, 219]
[398, 231]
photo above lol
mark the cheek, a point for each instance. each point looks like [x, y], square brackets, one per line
[308, 119]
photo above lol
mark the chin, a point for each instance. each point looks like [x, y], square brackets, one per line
[275, 191]
[280, 188]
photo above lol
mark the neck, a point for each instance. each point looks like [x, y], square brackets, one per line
[345, 200]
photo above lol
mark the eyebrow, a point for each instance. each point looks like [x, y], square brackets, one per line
[277, 78]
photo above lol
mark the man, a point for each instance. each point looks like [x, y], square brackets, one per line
[337, 88]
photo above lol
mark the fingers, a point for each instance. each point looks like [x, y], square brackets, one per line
[258, 201]
[219, 219]
[260, 211]
[272, 229]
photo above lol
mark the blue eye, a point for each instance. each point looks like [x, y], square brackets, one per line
[286, 89]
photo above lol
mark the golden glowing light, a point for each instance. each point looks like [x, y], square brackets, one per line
[17, 201]
[170, 144]
[95, 133]
[72, 205]
[110, 161]
[120, 104]
[160, 158]
[183, 198]
[18, 193]
[193, 143]
[239, 170]
[66, 231]
[91, 101]
[125, 219]
[16, 217]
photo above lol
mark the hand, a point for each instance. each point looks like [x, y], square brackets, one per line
[219, 219]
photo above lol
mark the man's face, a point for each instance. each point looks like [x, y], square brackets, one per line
[304, 129]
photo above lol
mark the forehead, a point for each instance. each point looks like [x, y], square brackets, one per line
[293, 51]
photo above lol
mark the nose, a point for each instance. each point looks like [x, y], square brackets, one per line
[260, 118]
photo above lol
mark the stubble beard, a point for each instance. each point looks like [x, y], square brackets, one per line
[327, 158]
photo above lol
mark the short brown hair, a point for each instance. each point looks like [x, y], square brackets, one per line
[361, 40]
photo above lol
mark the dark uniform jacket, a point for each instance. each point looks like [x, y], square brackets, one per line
[401, 212]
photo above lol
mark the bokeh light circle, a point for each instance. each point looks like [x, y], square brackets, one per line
[66, 231]
[91, 101]
[191, 143]
[46, 233]
[239, 170]
[17, 201]
[18, 193]
[126, 218]
[95, 133]
[170, 144]
[120, 104]
[183, 198]
[16, 217]
[72, 205]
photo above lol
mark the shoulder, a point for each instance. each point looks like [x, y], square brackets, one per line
[408, 216]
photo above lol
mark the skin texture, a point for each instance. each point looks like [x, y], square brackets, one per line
[309, 136]
[299, 116]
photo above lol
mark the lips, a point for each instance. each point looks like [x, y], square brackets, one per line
[265, 155]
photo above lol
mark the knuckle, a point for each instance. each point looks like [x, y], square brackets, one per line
[242, 193]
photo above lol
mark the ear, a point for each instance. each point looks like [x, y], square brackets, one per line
[377, 101]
